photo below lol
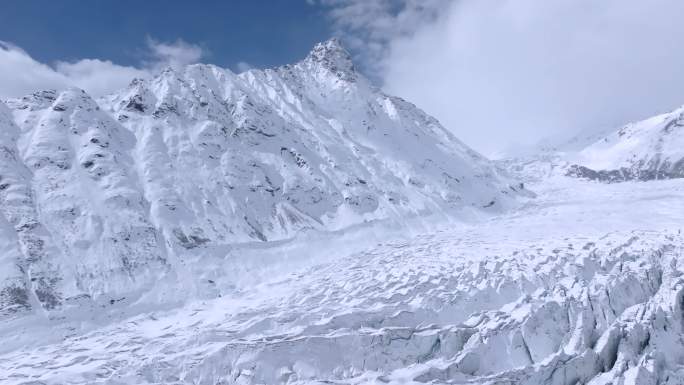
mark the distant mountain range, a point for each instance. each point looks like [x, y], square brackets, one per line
[646, 150]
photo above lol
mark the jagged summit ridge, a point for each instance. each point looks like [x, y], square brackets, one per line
[333, 56]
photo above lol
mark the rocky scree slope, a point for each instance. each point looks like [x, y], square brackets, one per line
[104, 200]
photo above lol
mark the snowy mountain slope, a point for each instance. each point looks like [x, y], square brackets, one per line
[87, 216]
[646, 150]
[111, 200]
[311, 145]
[583, 285]
[29, 257]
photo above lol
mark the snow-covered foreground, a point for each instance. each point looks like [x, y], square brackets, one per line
[583, 285]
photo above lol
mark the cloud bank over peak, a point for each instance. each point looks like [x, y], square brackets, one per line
[504, 74]
[177, 54]
[20, 74]
[369, 27]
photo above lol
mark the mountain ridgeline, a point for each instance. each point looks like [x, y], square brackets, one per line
[647, 150]
[104, 198]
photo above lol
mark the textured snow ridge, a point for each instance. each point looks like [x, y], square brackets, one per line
[104, 200]
[647, 150]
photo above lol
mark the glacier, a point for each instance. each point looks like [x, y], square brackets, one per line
[297, 225]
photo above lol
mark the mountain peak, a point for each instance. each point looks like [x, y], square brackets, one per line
[330, 46]
[332, 55]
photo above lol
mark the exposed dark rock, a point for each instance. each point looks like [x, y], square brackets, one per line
[135, 104]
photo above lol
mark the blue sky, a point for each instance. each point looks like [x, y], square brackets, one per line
[260, 32]
[500, 74]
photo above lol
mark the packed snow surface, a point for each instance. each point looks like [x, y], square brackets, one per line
[297, 226]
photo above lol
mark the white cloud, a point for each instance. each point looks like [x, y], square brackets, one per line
[99, 77]
[369, 27]
[176, 55]
[243, 66]
[501, 73]
[20, 74]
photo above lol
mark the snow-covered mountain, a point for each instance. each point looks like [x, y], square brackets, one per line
[103, 199]
[646, 150]
[278, 227]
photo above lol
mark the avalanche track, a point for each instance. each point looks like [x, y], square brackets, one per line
[582, 285]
